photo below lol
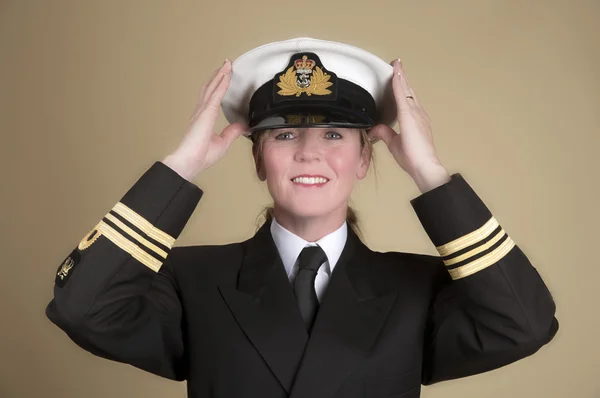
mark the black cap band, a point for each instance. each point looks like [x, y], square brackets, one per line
[307, 94]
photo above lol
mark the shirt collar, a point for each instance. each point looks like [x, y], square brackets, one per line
[290, 245]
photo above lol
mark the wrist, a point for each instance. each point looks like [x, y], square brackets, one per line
[430, 177]
[181, 166]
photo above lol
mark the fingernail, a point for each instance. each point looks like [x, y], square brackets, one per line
[226, 59]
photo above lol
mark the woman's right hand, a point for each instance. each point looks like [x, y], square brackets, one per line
[201, 148]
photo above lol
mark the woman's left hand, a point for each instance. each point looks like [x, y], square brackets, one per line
[413, 146]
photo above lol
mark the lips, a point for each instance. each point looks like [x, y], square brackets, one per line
[310, 180]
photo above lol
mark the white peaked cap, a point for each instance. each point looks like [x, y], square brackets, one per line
[258, 66]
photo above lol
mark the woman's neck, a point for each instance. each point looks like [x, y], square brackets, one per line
[310, 229]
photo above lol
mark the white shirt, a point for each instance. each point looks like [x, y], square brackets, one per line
[290, 245]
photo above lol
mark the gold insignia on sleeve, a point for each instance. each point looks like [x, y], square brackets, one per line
[475, 239]
[130, 241]
[143, 224]
[66, 267]
[90, 237]
[301, 78]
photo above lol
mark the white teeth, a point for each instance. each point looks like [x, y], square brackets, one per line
[310, 180]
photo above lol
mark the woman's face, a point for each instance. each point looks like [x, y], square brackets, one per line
[311, 171]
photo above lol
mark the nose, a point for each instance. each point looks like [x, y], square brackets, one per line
[308, 148]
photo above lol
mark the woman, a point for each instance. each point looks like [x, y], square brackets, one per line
[303, 308]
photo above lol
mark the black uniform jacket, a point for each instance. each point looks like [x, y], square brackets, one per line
[224, 317]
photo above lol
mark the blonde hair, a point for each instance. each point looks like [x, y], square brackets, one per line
[258, 140]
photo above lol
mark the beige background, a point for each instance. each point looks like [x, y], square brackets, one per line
[92, 93]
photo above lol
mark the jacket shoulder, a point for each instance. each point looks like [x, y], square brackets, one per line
[425, 268]
[207, 262]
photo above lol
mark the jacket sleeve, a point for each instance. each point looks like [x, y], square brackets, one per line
[490, 306]
[115, 294]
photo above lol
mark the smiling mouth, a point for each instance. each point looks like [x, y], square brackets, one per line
[310, 181]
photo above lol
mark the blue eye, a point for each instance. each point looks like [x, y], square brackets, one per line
[333, 132]
[284, 136]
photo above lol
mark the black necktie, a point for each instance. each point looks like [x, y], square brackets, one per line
[309, 261]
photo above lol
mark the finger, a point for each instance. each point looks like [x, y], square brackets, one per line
[403, 82]
[232, 132]
[412, 96]
[382, 132]
[415, 102]
[407, 87]
[201, 94]
[216, 80]
[207, 114]
[399, 89]
[204, 87]
[214, 101]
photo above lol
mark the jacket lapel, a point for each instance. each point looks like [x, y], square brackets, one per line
[265, 307]
[355, 306]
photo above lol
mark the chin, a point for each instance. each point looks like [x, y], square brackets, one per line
[305, 209]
